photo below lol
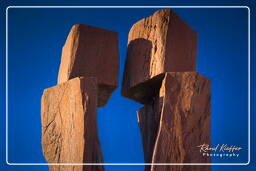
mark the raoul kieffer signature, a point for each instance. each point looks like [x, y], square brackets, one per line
[219, 148]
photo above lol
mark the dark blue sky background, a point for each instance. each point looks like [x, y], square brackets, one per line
[36, 37]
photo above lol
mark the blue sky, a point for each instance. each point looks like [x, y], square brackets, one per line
[36, 37]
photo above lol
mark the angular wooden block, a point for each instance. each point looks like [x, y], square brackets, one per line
[177, 122]
[157, 44]
[91, 52]
[69, 127]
